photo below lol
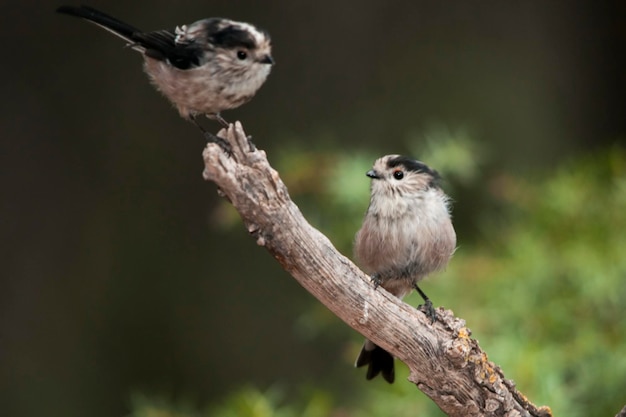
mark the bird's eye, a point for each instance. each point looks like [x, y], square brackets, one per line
[398, 174]
[242, 55]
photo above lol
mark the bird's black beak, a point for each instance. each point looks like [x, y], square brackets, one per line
[372, 174]
[267, 59]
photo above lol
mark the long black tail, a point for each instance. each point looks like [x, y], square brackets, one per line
[378, 361]
[160, 45]
[113, 25]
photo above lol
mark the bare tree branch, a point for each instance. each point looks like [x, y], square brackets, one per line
[444, 361]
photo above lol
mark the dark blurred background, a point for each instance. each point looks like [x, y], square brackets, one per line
[118, 275]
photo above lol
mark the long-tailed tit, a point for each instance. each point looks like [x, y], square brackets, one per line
[406, 234]
[203, 68]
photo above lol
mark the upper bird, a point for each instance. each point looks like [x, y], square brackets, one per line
[406, 235]
[206, 67]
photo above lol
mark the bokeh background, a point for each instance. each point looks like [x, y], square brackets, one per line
[127, 287]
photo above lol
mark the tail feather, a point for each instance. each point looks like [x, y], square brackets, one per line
[113, 25]
[160, 45]
[379, 361]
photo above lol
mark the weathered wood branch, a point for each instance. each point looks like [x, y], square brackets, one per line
[444, 361]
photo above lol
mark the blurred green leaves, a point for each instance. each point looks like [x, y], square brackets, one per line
[451, 151]
[553, 314]
[247, 402]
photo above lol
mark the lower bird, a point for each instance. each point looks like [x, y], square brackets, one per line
[406, 234]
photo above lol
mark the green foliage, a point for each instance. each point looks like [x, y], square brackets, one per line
[248, 402]
[452, 152]
[252, 403]
[551, 310]
[543, 289]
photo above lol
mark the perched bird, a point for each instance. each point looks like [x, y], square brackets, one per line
[406, 234]
[206, 67]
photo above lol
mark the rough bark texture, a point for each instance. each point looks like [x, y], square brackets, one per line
[444, 361]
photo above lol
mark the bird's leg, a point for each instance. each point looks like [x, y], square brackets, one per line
[210, 137]
[376, 280]
[220, 119]
[223, 122]
[428, 305]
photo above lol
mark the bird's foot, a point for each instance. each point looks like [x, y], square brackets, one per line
[210, 137]
[428, 309]
[376, 280]
[221, 142]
